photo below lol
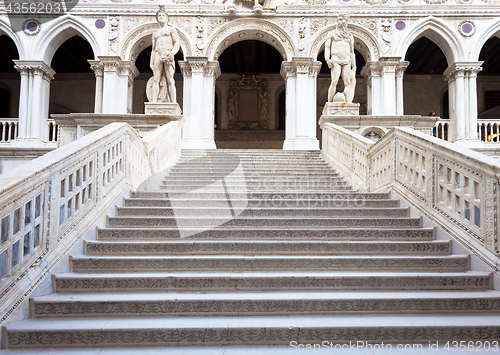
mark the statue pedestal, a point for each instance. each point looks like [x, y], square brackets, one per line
[162, 108]
[341, 109]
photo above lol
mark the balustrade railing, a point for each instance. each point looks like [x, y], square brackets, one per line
[8, 129]
[441, 129]
[457, 188]
[489, 130]
[47, 205]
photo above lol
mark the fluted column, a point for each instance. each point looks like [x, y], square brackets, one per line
[300, 125]
[199, 102]
[33, 102]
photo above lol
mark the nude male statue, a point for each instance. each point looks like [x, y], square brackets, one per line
[161, 87]
[340, 58]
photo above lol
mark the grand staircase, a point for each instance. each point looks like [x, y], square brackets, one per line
[261, 247]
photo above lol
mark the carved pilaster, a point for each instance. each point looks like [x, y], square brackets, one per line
[287, 70]
[185, 68]
[400, 68]
[212, 69]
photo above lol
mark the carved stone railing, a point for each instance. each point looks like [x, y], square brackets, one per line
[8, 129]
[455, 187]
[442, 129]
[489, 130]
[51, 203]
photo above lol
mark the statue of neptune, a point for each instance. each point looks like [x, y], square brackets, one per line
[161, 87]
[340, 58]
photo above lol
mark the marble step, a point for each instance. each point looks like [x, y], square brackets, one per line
[278, 233]
[208, 186]
[252, 180]
[436, 263]
[257, 170]
[205, 211]
[299, 184]
[277, 195]
[229, 221]
[254, 304]
[263, 203]
[270, 281]
[267, 165]
[267, 247]
[249, 330]
[254, 174]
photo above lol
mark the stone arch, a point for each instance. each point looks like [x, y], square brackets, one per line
[250, 29]
[140, 38]
[364, 41]
[56, 32]
[491, 29]
[19, 41]
[374, 130]
[437, 31]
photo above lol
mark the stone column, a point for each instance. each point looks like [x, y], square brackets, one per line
[98, 69]
[33, 102]
[462, 90]
[199, 102]
[400, 69]
[385, 93]
[300, 127]
[372, 72]
[116, 84]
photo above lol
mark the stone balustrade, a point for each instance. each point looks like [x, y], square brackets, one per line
[488, 130]
[441, 129]
[455, 187]
[51, 203]
[8, 129]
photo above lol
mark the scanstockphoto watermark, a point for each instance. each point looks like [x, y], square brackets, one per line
[492, 346]
[29, 15]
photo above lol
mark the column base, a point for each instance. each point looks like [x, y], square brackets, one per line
[301, 144]
[162, 108]
[27, 143]
[470, 143]
[198, 143]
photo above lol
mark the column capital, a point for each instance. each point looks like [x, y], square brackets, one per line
[300, 65]
[97, 67]
[199, 65]
[462, 69]
[110, 63]
[35, 67]
[401, 67]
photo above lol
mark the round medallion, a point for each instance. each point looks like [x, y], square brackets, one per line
[400, 25]
[100, 24]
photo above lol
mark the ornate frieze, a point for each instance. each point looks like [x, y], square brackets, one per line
[113, 34]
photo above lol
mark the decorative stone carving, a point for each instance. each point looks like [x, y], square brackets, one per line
[302, 33]
[341, 109]
[114, 34]
[386, 25]
[340, 58]
[161, 87]
[246, 85]
[200, 29]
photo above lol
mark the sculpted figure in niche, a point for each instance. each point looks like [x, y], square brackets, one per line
[161, 87]
[340, 58]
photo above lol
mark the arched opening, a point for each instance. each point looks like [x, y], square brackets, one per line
[10, 83]
[489, 80]
[423, 79]
[9, 78]
[73, 88]
[145, 73]
[250, 86]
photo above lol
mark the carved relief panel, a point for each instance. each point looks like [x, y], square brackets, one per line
[248, 103]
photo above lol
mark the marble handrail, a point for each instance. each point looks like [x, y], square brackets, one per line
[50, 204]
[455, 187]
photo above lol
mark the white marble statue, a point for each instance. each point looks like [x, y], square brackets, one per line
[161, 86]
[340, 58]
